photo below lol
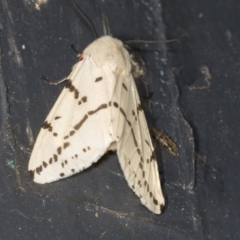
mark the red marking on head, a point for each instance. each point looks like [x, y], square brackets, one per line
[80, 56]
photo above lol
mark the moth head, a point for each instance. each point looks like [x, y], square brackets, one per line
[138, 68]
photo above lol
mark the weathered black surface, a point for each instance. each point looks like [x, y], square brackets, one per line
[196, 101]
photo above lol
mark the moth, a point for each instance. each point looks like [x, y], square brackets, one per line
[99, 111]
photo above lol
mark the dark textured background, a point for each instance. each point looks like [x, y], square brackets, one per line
[196, 101]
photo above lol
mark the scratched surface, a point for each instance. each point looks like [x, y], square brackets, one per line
[195, 102]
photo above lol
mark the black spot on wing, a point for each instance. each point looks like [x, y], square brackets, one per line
[39, 169]
[155, 201]
[161, 207]
[138, 151]
[59, 150]
[47, 125]
[84, 99]
[55, 157]
[125, 87]
[139, 183]
[32, 172]
[71, 88]
[134, 138]
[45, 164]
[66, 144]
[152, 157]
[86, 149]
[139, 108]
[76, 94]
[71, 133]
[125, 116]
[77, 126]
[147, 143]
[103, 106]
[98, 79]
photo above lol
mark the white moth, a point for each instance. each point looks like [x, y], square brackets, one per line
[98, 111]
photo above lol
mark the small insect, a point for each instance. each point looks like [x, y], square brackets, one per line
[99, 111]
[165, 141]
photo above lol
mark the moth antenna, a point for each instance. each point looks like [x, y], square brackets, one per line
[150, 95]
[149, 41]
[87, 19]
[74, 49]
[106, 28]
